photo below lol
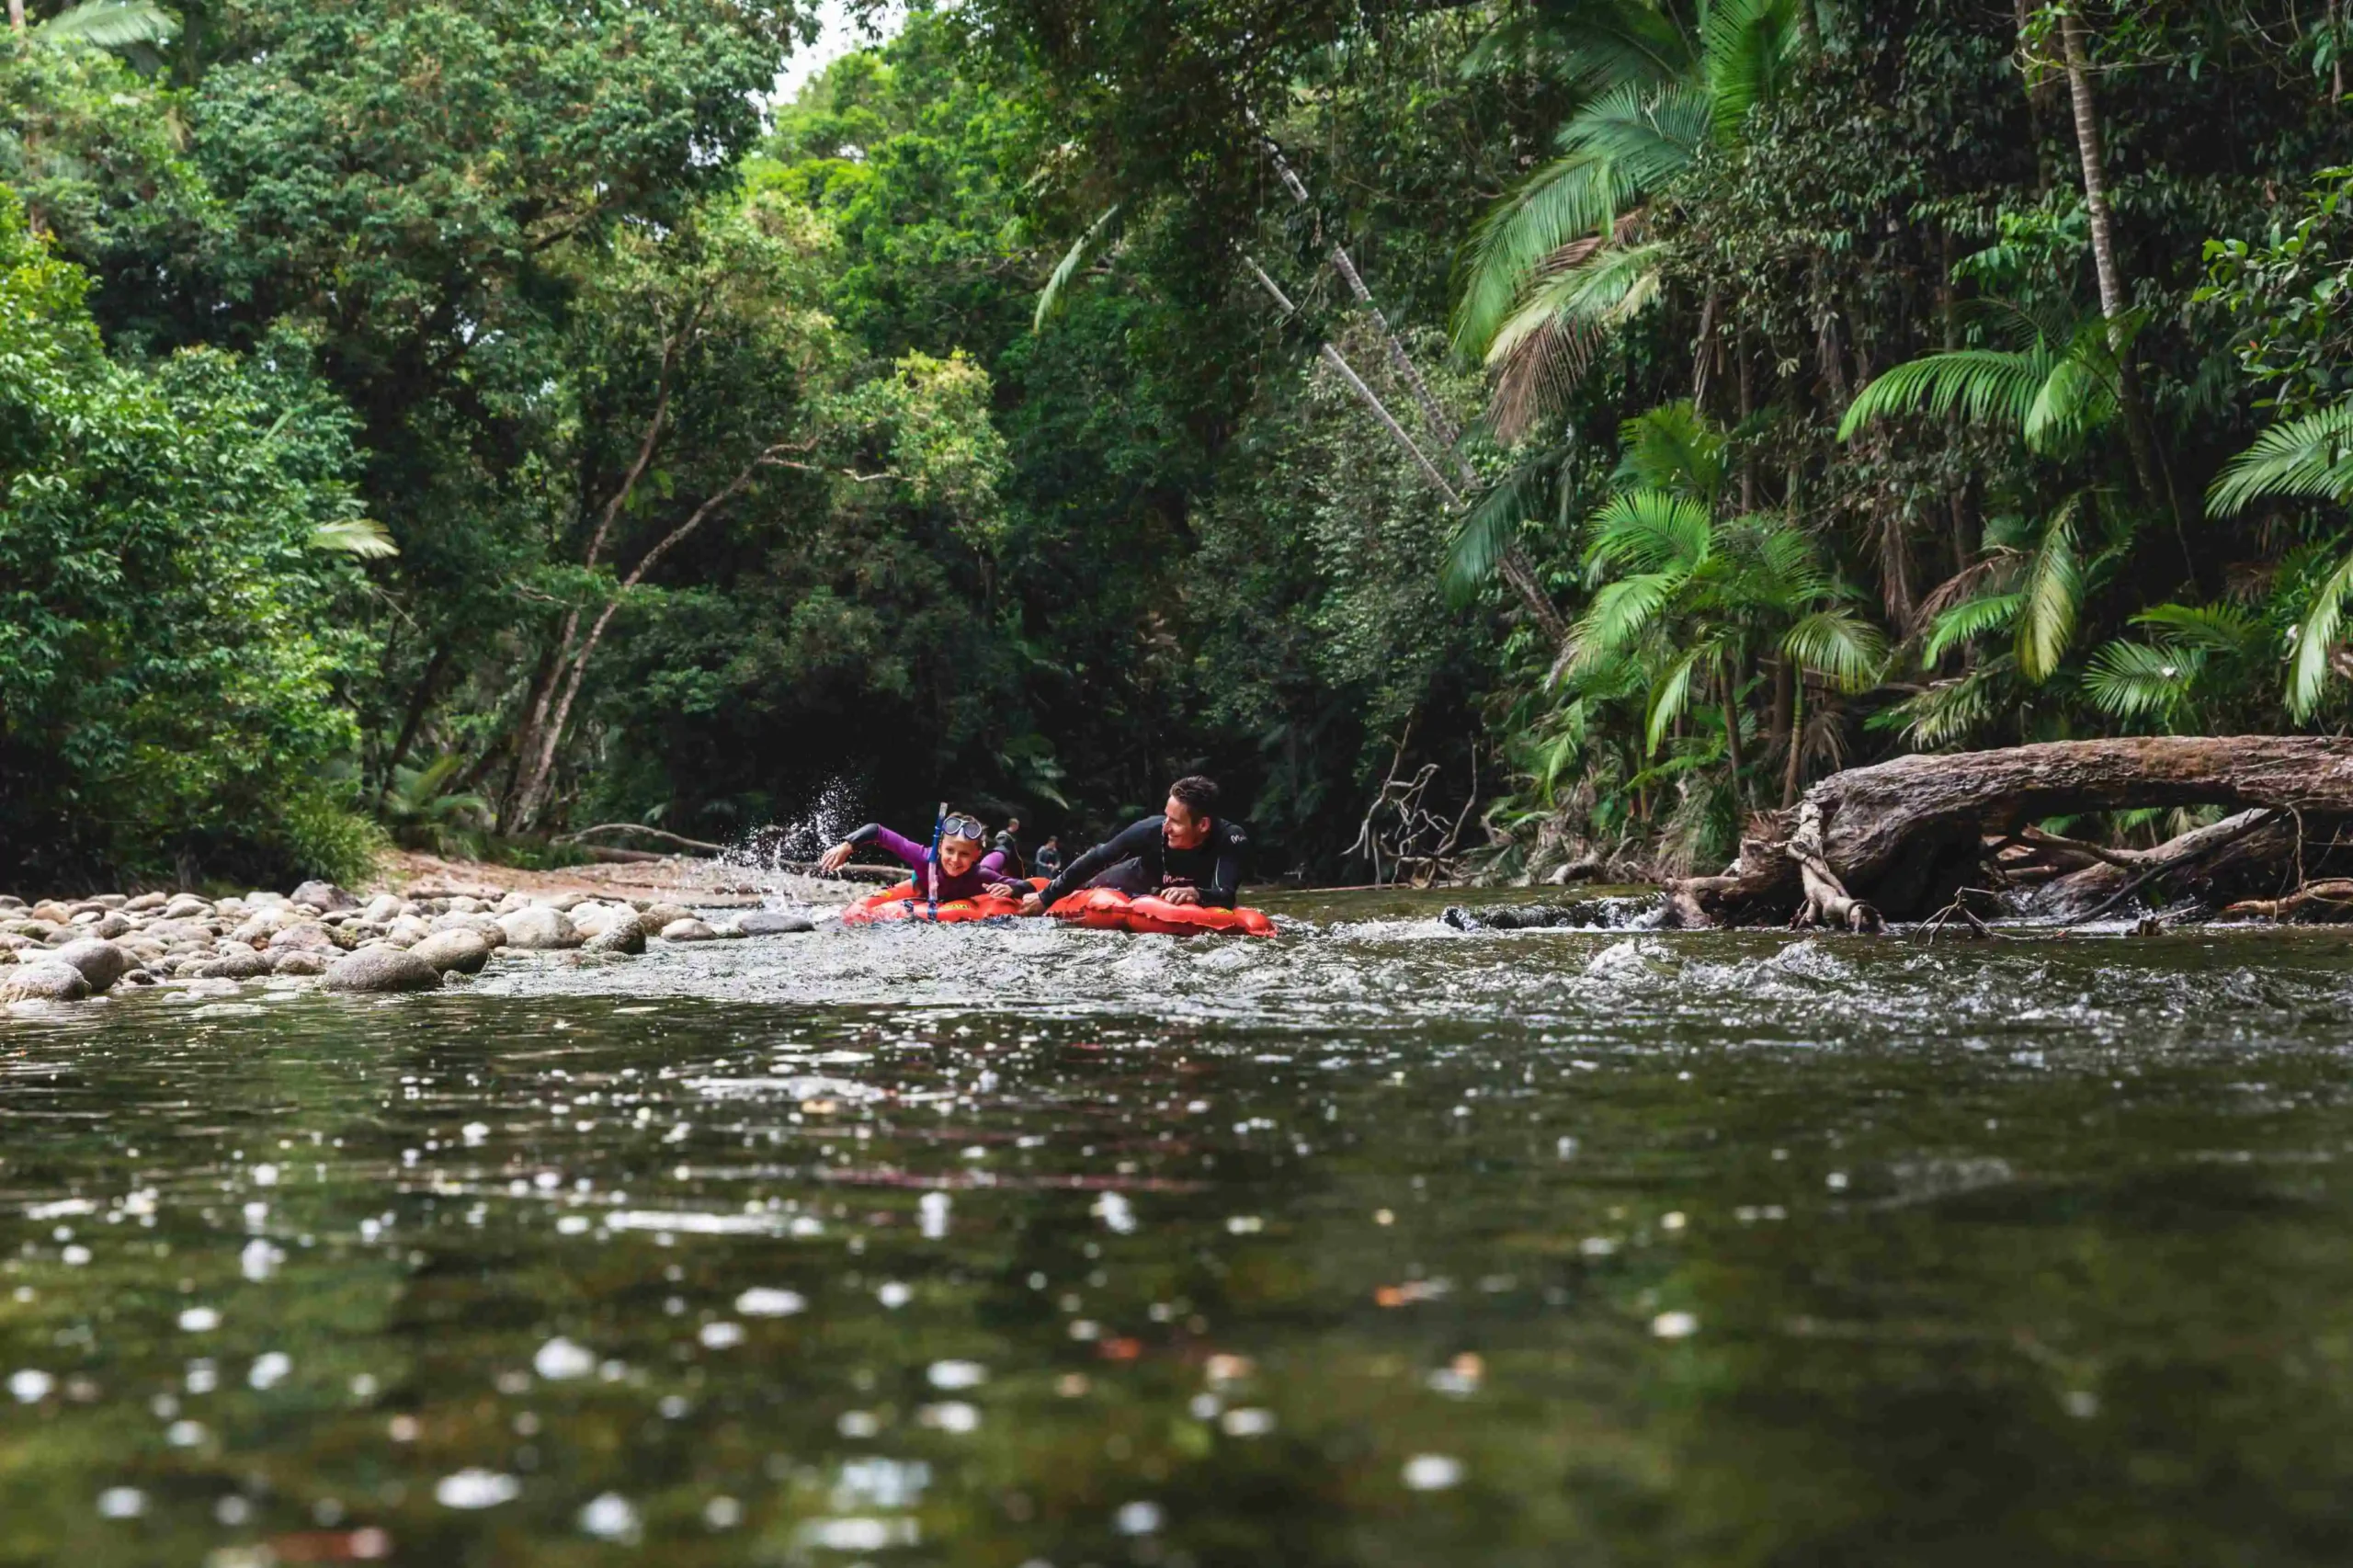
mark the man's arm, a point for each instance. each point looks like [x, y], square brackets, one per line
[1226, 884]
[1127, 843]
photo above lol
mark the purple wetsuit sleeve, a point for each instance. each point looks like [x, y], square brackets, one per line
[992, 868]
[912, 854]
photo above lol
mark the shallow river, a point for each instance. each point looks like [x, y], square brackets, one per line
[1378, 1243]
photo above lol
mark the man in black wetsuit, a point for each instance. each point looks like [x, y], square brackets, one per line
[1186, 854]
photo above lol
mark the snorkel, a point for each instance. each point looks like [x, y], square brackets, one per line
[931, 867]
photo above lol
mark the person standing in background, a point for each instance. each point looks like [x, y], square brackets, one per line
[1049, 859]
[1008, 844]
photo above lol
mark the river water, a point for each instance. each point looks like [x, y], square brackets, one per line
[1375, 1244]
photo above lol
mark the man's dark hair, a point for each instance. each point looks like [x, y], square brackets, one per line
[1198, 794]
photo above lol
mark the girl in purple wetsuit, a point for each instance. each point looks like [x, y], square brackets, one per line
[961, 871]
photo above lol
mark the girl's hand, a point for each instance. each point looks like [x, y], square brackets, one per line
[834, 859]
[1007, 890]
[1033, 904]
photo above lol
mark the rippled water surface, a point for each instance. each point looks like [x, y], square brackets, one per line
[1378, 1243]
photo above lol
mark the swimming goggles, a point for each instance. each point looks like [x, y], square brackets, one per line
[963, 827]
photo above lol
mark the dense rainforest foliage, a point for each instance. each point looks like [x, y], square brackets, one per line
[1555, 427]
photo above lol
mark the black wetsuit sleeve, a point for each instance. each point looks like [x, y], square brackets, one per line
[863, 834]
[1225, 886]
[1126, 844]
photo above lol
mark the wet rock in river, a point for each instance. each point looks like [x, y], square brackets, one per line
[688, 930]
[620, 936]
[774, 923]
[324, 897]
[238, 963]
[539, 928]
[377, 969]
[306, 937]
[44, 981]
[457, 949]
[299, 960]
[99, 962]
[187, 906]
[657, 916]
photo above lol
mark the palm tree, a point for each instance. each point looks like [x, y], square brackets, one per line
[1694, 598]
[2306, 458]
[1561, 263]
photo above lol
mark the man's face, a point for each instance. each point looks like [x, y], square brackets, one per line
[958, 856]
[1180, 827]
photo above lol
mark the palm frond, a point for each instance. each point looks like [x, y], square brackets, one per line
[1986, 386]
[2316, 640]
[2076, 399]
[1669, 696]
[1487, 528]
[2306, 458]
[362, 536]
[1050, 297]
[1673, 447]
[1749, 44]
[1545, 347]
[1651, 531]
[1970, 620]
[1950, 711]
[112, 24]
[2134, 680]
[1624, 143]
[2050, 596]
[2222, 629]
[1619, 615]
[1839, 644]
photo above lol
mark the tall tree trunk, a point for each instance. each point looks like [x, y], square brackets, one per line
[1730, 695]
[16, 15]
[1793, 770]
[2156, 486]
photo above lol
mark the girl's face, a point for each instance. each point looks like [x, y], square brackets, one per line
[958, 856]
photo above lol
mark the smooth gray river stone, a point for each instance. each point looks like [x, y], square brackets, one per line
[383, 969]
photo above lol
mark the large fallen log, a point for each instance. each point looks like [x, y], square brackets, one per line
[1899, 839]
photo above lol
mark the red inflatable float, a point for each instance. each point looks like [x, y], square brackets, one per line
[1102, 909]
[905, 902]
[1097, 909]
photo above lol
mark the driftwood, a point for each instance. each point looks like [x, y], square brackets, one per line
[1898, 840]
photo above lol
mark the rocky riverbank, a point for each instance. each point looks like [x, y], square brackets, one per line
[67, 951]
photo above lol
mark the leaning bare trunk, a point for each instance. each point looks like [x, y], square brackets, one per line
[16, 15]
[1516, 568]
[1517, 571]
[1903, 837]
[535, 788]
